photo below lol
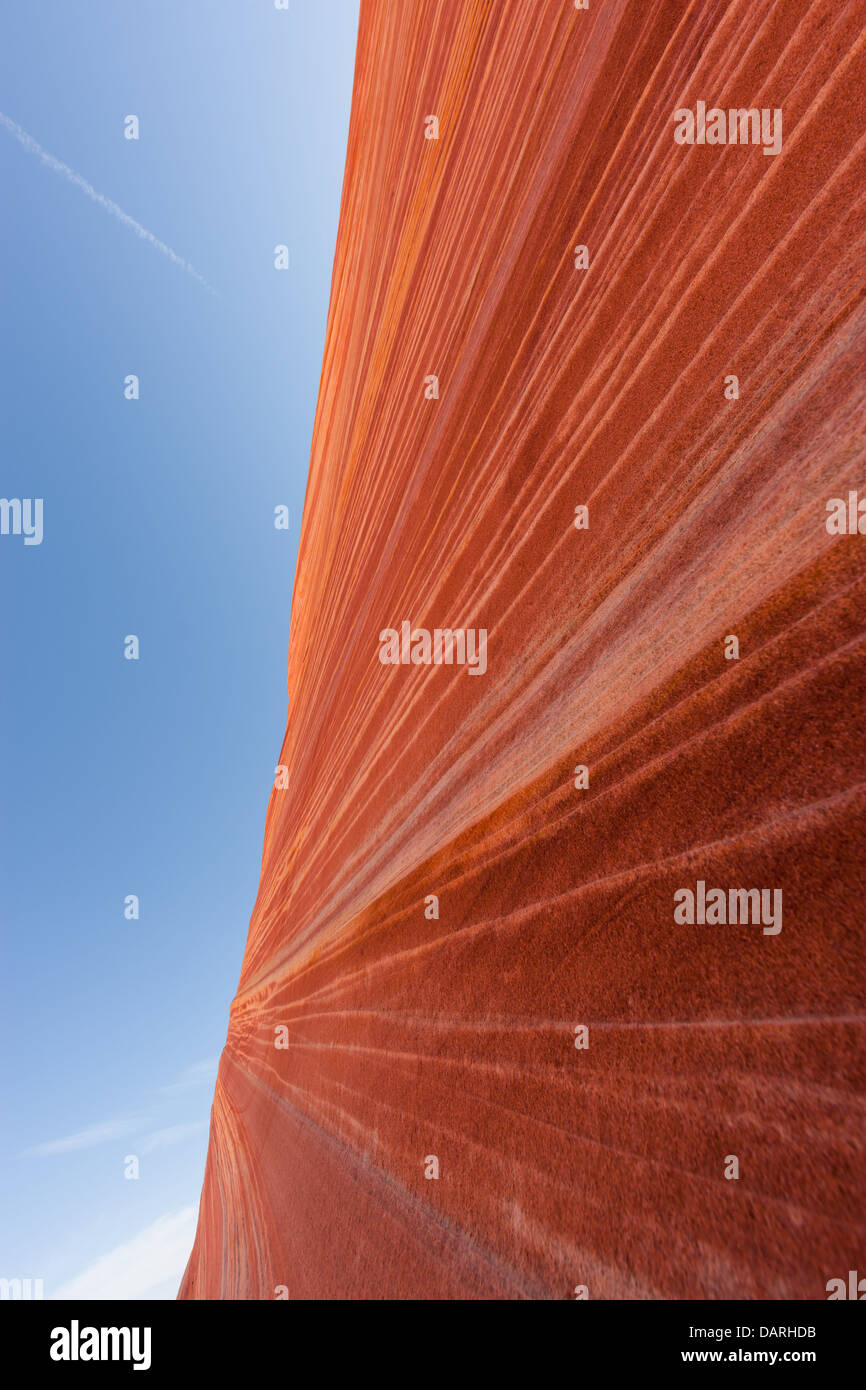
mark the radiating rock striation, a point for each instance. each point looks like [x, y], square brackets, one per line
[464, 949]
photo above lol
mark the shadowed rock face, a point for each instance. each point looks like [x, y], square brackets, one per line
[410, 1036]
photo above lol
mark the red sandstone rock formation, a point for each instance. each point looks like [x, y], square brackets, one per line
[410, 1036]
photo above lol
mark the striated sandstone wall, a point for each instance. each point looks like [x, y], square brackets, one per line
[412, 1036]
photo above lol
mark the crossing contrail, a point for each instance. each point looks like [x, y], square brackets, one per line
[70, 175]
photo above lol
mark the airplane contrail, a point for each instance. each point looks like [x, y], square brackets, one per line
[63, 169]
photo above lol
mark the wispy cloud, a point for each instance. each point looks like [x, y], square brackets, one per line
[172, 1134]
[88, 1138]
[111, 207]
[141, 1267]
[199, 1074]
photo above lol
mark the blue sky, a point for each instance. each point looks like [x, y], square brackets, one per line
[148, 777]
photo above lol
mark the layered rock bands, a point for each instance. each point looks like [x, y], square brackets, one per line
[515, 1020]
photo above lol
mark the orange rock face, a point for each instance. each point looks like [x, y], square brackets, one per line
[474, 1052]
